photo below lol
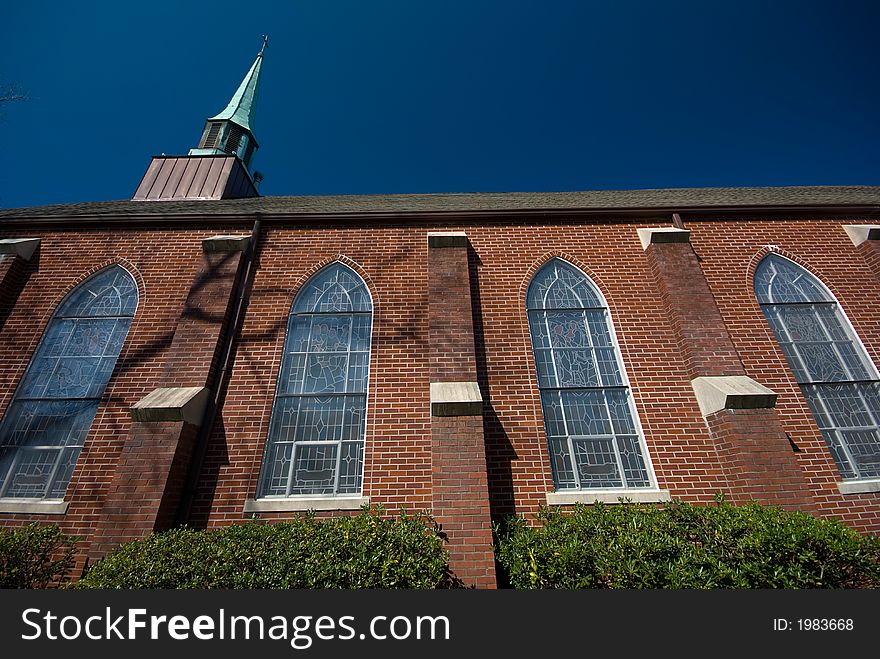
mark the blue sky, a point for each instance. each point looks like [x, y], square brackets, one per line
[394, 96]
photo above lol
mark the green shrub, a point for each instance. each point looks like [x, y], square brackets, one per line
[34, 556]
[362, 551]
[685, 546]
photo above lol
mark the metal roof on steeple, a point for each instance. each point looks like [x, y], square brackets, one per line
[243, 104]
[219, 167]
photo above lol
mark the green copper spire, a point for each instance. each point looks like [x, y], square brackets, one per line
[230, 132]
[244, 102]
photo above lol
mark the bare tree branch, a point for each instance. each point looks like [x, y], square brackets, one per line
[11, 93]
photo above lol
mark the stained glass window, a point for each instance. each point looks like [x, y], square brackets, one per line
[588, 413]
[316, 433]
[50, 415]
[834, 372]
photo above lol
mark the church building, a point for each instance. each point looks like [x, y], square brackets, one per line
[202, 355]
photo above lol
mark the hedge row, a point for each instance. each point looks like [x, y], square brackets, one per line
[619, 546]
[34, 556]
[685, 546]
[362, 551]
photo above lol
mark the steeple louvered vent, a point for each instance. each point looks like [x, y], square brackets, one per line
[212, 135]
[234, 140]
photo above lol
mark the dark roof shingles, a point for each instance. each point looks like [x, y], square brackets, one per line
[681, 198]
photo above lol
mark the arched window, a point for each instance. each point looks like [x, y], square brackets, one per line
[316, 434]
[830, 364]
[53, 408]
[588, 414]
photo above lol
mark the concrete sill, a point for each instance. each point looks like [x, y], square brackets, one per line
[859, 487]
[298, 504]
[607, 496]
[33, 506]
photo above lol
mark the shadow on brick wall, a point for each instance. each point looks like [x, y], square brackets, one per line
[499, 451]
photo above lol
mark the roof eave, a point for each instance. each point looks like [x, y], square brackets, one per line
[607, 213]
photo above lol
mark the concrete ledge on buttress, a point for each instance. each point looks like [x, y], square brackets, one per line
[859, 487]
[33, 506]
[447, 239]
[303, 504]
[172, 404]
[636, 495]
[859, 233]
[663, 235]
[21, 247]
[456, 399]
[731, 392]
[225, 243]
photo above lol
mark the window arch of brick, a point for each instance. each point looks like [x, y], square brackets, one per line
[44, 429]
[832, 367]
[316, 434]
[589, 418]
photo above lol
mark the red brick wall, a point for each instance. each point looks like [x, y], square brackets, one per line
[392, 262]
[759, 459]
[685, 459]
[754, 450]
[450, 316]
[13, 272]
[392, 259]
[870, 251]
[729, 252]
[163, 262]
[702, 338]
[148, 479]
[148, 483]
[461, 504]
[459, 484]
